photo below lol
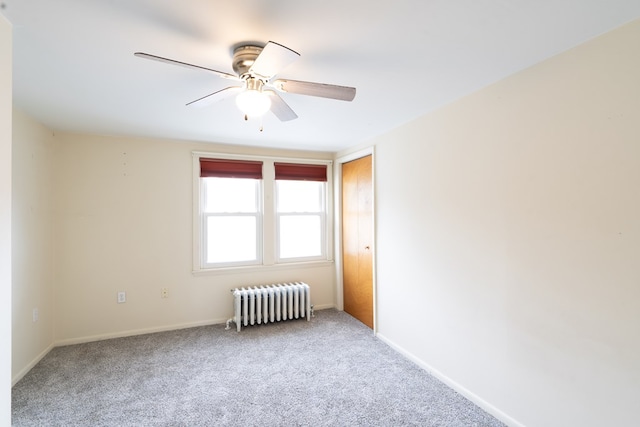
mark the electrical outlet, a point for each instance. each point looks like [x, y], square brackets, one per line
[165, 293]
[36, 315]
[122, 297]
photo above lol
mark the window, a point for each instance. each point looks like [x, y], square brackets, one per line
[300, 210]
[231, 221]
[260, 211]
[230, 212]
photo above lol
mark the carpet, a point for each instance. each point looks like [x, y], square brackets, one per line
[331, 371]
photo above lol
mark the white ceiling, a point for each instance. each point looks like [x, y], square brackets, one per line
[74, 69]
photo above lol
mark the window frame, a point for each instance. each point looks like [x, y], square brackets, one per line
[267, 240]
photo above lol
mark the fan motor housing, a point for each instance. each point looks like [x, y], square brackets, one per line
[244, 56]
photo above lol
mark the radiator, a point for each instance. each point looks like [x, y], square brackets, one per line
[270, 303]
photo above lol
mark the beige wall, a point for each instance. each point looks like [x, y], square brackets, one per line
[124, 223]
[32, 243]
[5, 220]
[508, 239]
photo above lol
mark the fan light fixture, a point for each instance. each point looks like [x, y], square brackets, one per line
[255, 65]
[253, 102]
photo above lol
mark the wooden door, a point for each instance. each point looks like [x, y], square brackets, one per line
[357, 239]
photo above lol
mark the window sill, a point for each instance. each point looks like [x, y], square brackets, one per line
[262, 268]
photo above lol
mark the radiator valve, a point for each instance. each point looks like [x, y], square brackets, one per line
[228, 322]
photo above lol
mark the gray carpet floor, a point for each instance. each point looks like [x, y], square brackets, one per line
[330, 371]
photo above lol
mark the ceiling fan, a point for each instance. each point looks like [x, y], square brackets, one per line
[255, 67]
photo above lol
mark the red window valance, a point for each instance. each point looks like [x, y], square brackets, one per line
[223, 168]
[301, 172]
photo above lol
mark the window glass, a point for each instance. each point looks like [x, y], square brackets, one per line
[231, 239]
[230, 195]
[300, 236]
[300, 196]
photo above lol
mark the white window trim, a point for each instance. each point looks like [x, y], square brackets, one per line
[269, 233]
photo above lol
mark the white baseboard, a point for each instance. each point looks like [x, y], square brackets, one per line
[33, 363]
[133, 332]
[323, 307]
[477, 400]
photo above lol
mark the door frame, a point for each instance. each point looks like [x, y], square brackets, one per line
[337, 175]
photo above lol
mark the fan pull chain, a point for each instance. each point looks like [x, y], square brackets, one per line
[261, 127]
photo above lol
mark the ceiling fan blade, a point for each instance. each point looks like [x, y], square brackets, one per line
[342, 93]
[280, 108]
[273, 58]
[214, 97]
[184, 64]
